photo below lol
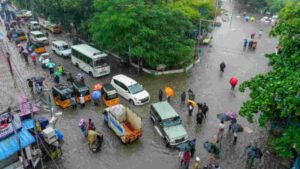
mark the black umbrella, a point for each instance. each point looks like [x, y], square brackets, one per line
[223, 117]
[237, 127]
[39, 79]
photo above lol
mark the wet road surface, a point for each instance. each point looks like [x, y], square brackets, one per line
[150, 152]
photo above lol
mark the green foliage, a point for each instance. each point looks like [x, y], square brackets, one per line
[152, 32]
[277, 93]
[270, 5]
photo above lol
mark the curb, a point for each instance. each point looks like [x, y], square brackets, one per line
[158, 73]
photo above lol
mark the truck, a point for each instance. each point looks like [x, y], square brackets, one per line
[168, 124]
[126, 124]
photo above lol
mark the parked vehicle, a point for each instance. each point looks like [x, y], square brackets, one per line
[130, 89]
[19, 35]
[109, 95]
[207, 39]
[90, 60]
[95, 140]
[168, 124]
[54, 28]
[34, 25]
[61, 48]
[62, 94]
[81, 89]
[38, 36]
[126, 124]
[38, 47]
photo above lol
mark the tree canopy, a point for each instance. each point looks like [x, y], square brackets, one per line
[277, 94]
[267, 5]
[153, 32]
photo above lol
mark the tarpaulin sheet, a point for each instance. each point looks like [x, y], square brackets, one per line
[27, 124]
[9, 145]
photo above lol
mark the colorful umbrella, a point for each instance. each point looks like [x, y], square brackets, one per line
[223, 117]
[192, 102]
[97, 86]
[233, 80]
[231, 114]
[96, 95]
[169, 91]
[50, 65]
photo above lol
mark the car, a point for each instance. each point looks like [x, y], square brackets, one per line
[34, 25]
[38, 36]
[207, 39]
[130, 89]
[61, 48]
[225, 17]
[54, 28]
[168, 124]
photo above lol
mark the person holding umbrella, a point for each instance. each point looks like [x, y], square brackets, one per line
[187, 156]
[169, 92]
[233, 82]
[190, 108]
[183, 97]
[96, 95]
[222, 67]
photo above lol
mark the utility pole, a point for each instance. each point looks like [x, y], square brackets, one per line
[35, 132]
[11, 119]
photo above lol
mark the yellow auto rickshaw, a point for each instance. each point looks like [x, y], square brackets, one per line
[109, 95]
[19, 34]
[81, 89]
[62, 94]
[38, 47]
[54, 28]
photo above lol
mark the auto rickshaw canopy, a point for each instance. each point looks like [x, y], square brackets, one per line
[65, 91]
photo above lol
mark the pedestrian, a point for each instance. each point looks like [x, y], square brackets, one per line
[82, 79]
[33, 59]
[199, 117]
[204, 109]
[183, 97]
[91, 125]
[190, 108]
[30, 84]
[37, 88]
[232, 121]
[83, 126]
[222, 66]
[196, 164]
[252, 35]
[47, 34]
[82, 101]
[56, 79]
[260, 33]
[73, 102]
[192, 144]
[234, 138]
[51, 70]
[245, 43]
[199, 106]
[160, 95]
[250, 44]
[60, 69]
[25, 55]
[233, 82]
[186, 159]
[191, 95]
[221, 130]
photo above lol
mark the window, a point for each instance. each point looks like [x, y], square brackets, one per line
[135, 88]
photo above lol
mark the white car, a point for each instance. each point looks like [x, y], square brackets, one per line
[61, 48]
[38, 36]
[34, 25]
[130, 89]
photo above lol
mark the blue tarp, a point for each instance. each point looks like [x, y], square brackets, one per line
[9, 145]
[27, 124]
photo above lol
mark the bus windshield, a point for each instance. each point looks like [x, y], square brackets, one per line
[101, 62]
[39, 36]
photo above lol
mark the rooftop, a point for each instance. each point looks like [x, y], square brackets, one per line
[165, 110]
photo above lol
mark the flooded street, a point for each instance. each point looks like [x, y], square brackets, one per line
[150, 152]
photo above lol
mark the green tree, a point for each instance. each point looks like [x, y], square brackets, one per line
[277, 94]
[151, 32]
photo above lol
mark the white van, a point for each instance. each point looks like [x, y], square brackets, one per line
[34, 25]
[61, 48]
[130, 89]
[38, 36]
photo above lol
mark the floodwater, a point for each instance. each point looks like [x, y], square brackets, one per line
[150, 152]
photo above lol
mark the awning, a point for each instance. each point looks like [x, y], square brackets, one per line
[27, 124]
[9, 145]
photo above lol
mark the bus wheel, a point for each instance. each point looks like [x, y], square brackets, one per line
[90, 73]
[77, 65]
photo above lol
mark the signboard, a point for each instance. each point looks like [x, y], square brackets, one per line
[6, 126]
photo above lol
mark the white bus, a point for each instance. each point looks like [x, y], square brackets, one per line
[90, 60]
